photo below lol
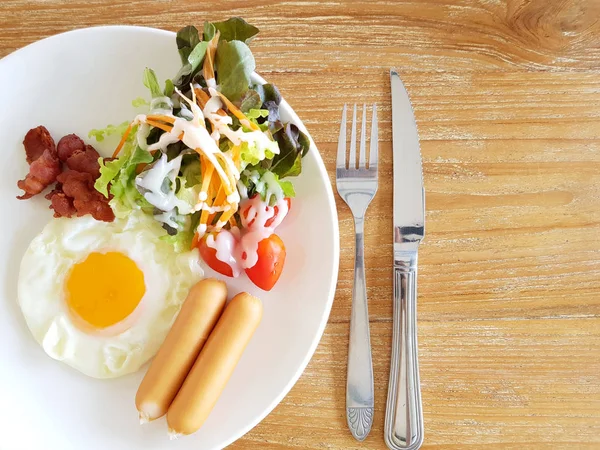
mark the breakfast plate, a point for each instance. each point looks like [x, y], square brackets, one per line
[81, 80]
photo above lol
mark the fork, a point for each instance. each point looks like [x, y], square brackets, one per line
[357, 186]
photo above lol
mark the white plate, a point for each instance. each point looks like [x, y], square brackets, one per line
[86, 79]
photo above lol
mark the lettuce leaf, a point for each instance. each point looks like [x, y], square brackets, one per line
[252, 153]
[264, 182]
[233, 29]
[187, 39]
[250, 100]
[151, 82]
[182, 240]
[293, 146]
[118, 178]
[110, 129]
[235, 65]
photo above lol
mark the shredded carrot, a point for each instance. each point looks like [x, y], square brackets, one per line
[195, 240]
[226, 179]
[160, 125]
[239, 114]
[230, 177]
[232, 221]
[162, 118]
[209, 66]
[201, 97]
[123, 139]
[228, 214]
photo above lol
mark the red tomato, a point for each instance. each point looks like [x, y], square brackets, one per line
[270, 221]
[271, 257]
[209, 255]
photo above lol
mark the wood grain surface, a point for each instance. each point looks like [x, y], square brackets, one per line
[507, 101]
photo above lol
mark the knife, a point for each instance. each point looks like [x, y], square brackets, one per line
[403, 428]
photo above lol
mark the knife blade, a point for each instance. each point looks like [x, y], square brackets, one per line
[409, 198]
[403, 429]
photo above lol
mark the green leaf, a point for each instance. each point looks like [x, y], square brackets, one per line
[268, 92]
[235, 65]
[209, 31]
[110, 129]
[182, 240]
[256, 113]
[250, 100]
[184, 76]
[253, 153]
[169, 88]
[288, 188]
[233, 29]
[266, 183]
[197, 55]
[139, 101]
[293, 145]
[151, 82]
[187, 39]
[120, 173]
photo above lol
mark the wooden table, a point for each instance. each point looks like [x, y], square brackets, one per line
[507, 100]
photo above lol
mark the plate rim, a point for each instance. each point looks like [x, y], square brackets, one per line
[328, 192]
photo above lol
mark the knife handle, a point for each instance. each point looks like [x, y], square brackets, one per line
[404, 413]
[360, 397]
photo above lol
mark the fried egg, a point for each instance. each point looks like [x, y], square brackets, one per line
[101, 297]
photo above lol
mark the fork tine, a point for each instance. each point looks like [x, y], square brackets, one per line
[362, 157]
[341, 153]
[374, 140]
[352, 163]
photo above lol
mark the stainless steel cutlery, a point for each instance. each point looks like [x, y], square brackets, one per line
[404, 415]
[357, 185]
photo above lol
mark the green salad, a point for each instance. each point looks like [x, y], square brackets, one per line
[211, 138]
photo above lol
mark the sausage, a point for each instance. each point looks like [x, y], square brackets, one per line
[214, 366]
[198, 316]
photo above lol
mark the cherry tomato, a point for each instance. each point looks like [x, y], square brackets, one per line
[271, 257]
[270, 221]
[209, 255]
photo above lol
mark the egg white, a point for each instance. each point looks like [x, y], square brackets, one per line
[125, 347]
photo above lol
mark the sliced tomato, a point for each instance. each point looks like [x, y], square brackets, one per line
[209, 255]
[271, 258]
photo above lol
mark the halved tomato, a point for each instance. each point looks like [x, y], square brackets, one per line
[270, 221]
[209, 255]
[271, 258]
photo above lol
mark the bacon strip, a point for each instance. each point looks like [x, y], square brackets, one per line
[79, 186]
[42, 173]
[74, 194]
[36, 141]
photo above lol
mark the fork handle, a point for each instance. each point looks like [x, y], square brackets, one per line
[403, 428]
[359, 383]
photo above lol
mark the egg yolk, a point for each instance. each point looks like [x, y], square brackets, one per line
[104, 288]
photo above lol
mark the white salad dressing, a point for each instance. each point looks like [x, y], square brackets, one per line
[225, 245]
[152, 181]
[236, 250]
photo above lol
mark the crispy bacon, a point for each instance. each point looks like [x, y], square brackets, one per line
[78, 156]
[60, 203]
[79, 186]
[36, 141]
[69, 145]
[74, 194]
[42, 173]
[85, 161]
